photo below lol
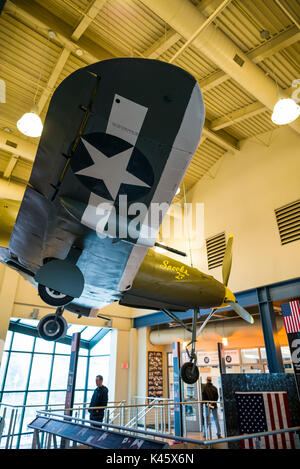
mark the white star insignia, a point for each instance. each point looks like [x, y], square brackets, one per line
[112, 171]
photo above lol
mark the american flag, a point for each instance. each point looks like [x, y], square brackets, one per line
[291, 316]
[262, 412]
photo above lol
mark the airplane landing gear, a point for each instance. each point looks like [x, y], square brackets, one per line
[53, 297]
[189, 371]
[53, 326]
[60, 281]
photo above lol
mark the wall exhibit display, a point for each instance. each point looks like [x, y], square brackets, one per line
[232, 357]
[207, 358]
[291, 319]
[155, 374]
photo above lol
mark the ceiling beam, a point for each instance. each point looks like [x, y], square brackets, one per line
[281, 41]
[162, 44]
[77, 33]
[239, 115]
[15, 144]
[234, 117]
[87, 19]
[201, 28]
[10, 166]
[288, 13]
[43, 21]
[278, 43]
[48, 90]
[221, 137]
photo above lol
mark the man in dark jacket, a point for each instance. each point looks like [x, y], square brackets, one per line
[210, 393]
[99, 399]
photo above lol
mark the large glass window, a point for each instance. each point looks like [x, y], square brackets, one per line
[34, 373]
[59, 375]
[17, 373]
[40, 371]
[98, 366]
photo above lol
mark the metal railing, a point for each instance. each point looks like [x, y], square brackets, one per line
[166, 437]
[147, 415]
[153, 415]
[9, 415]
[130, 418]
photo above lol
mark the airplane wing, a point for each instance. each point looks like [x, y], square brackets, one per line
[117, 133]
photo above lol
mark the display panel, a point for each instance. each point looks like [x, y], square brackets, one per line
[155, 374]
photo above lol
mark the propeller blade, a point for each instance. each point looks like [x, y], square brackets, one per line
[226, 267]
[241, 311]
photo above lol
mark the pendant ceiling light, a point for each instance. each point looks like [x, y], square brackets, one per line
[30, 123]
[285, 111]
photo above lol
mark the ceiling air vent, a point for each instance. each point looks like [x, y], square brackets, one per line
[215, 247]
[239, 60]
[288, 221]
[11, 144]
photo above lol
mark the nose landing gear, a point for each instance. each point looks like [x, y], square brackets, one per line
[53, 326]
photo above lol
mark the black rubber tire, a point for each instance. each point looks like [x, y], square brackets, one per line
[52, 300]
[189, 374]
[52, 327]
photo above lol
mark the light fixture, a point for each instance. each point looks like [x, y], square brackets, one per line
[30, 123]
[178, 191]
[225, 341]
[51, 34]
[285, 111]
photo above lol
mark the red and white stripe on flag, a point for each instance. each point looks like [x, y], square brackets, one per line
[278, 417]
[292, 320]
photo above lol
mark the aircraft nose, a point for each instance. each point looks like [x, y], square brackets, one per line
[229, 295]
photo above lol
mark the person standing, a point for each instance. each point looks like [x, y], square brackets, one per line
[210, 393]
[99, 399]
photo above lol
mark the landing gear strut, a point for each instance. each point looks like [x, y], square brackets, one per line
[189, 371]
[53, 326]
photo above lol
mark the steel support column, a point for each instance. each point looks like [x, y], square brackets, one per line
[269, 327]
[178, 421]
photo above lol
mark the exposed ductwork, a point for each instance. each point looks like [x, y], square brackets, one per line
[185, 19]
[167, 336]
[213, 331]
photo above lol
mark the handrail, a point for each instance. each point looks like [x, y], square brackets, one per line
[147, 405]
[53, 405]
[118, 427]
[151, 397]
[110, 407]
[178, 438]
[144, 412]
[246, 436]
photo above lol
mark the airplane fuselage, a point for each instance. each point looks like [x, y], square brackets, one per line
[164, 282]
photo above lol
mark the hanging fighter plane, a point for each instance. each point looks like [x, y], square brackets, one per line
[119, 129]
